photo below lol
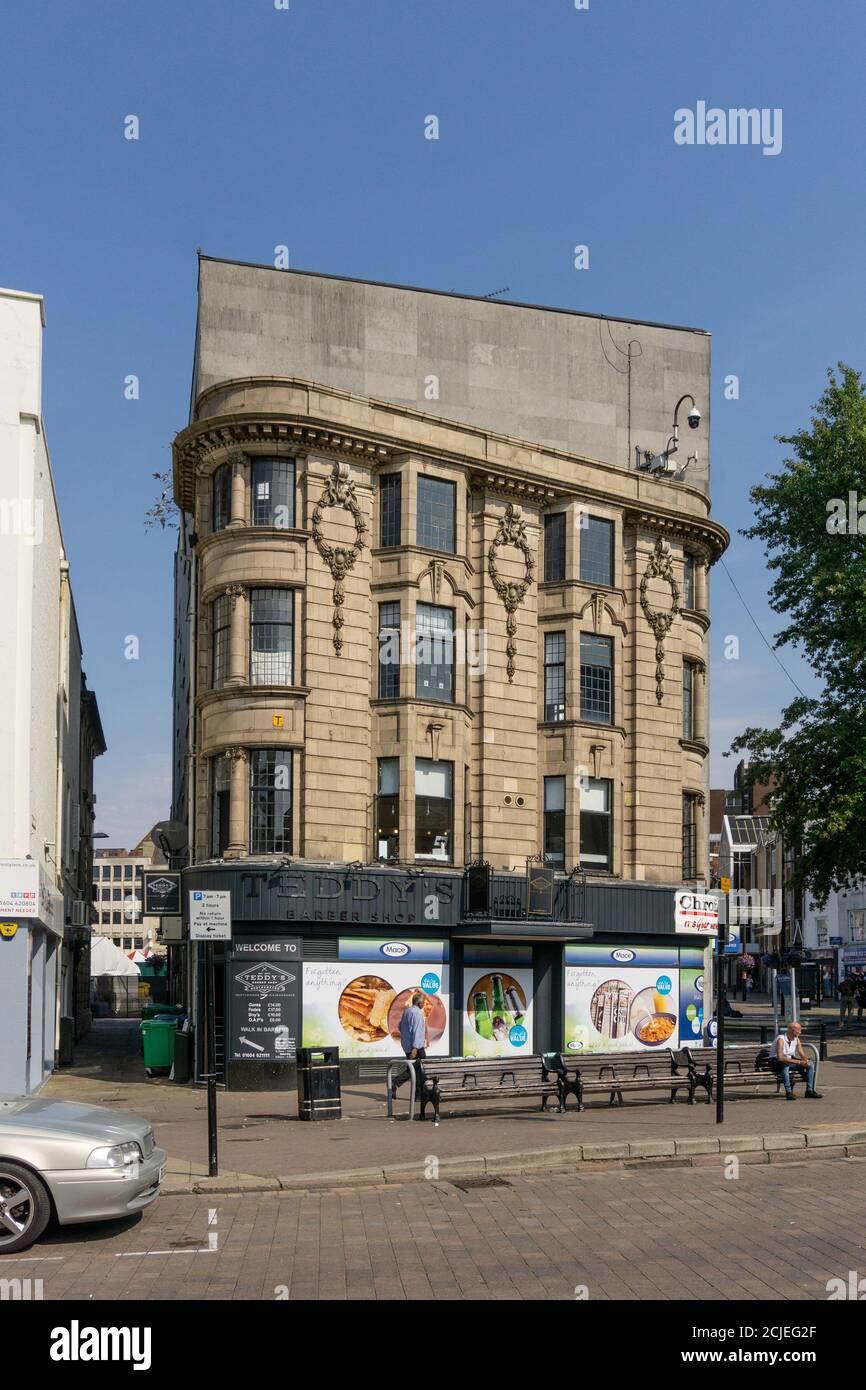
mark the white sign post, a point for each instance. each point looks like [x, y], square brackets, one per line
[210, 916]
[696, 914]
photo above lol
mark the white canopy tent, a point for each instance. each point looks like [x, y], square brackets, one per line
[108, 959]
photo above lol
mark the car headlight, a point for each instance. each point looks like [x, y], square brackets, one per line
[117, 1156]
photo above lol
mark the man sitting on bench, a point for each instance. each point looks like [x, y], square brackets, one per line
[788, 1056]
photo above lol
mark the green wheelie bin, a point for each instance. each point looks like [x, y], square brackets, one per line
[157, 1036]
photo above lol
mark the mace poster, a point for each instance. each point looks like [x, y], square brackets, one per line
[619, 999]
[497, 1005]
[356, 1002]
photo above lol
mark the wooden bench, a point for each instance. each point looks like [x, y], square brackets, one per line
[741, 1070]
[617, 1073]
[488, 1078]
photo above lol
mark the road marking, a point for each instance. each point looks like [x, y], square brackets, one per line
[32, 1259]
[140, 1254]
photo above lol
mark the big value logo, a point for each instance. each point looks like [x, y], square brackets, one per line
[430, 983]
[664, 984]
[518, 1035]
[265, 979]
[395, 950]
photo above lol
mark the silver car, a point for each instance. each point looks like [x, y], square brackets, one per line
[75, 1162]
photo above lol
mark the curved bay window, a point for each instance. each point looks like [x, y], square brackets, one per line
[690, 833]
[271, 801]
[273, 488]
[222, 496]
[389, 651]
[271, 636]
[434, 810]
[596, 663]
[220, 635]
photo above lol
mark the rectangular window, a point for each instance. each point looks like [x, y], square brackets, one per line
[434, 653]
[220, 781]
[690, 869]
[271, 801]
[595, 824]
[221, 619]
[389, 651]
[554, 547]
[273, 485]
[390, 508]
[596, 550]
[688, 580]
[596, 662]
[433, 810]
[106, 919]
[554, 675]
[222, 497]
[115, 919]
[388, 809]
[271, 636]
[127, 871]
[688, 700]
[554, 820]
[437, 514]
[115, 870]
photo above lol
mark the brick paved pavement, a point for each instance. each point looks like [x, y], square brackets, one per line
[772, 1233]
[260, 1132]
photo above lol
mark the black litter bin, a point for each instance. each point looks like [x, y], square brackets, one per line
[182, 1057]
[319, 1083]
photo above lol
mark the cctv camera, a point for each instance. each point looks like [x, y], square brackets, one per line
[694, 418]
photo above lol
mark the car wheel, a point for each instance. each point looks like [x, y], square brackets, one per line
[25, 1208]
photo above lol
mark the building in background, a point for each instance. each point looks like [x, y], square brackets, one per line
[118, 896]
[49, 733]
[433, 609]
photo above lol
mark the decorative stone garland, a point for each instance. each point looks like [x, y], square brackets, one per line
[339, 491]
[512, 531]
[660, 566]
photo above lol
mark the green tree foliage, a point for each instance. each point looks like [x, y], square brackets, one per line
[811, 518]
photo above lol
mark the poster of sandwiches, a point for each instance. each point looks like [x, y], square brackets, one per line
[356, 1002]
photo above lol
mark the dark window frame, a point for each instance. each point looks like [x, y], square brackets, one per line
[596, 681]
[221, 497]
[590, 569]
[432, 803]
[553, 824]
[390, 510]
[283, 470]
[554, 548]
[439, 639]
[427, 526]
[387, 812]
[271, 806]
[220, 640]
[264, 628]
[554, 677]
[590, 820]
[388, 684]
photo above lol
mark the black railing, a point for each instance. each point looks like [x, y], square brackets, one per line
[509, 899]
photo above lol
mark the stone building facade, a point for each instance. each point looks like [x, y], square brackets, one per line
[338, 712]
[430, 613]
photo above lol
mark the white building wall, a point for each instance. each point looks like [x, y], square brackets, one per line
[40, 661]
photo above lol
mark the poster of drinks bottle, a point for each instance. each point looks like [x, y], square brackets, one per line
[497, 1010]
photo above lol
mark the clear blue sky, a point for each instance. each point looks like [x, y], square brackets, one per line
[305, 126]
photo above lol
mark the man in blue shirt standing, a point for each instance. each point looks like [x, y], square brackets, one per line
[413, 1029]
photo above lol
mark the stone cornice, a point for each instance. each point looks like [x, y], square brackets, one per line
[710, 535]
[318, 418]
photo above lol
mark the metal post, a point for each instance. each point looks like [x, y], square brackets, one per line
[823, 1048]
[210, 1062]
[720, 1025]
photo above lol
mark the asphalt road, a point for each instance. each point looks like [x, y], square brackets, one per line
[778, 1231]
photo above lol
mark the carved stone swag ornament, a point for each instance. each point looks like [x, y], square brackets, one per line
[339, 491]
[512, 531]
[660, 620]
